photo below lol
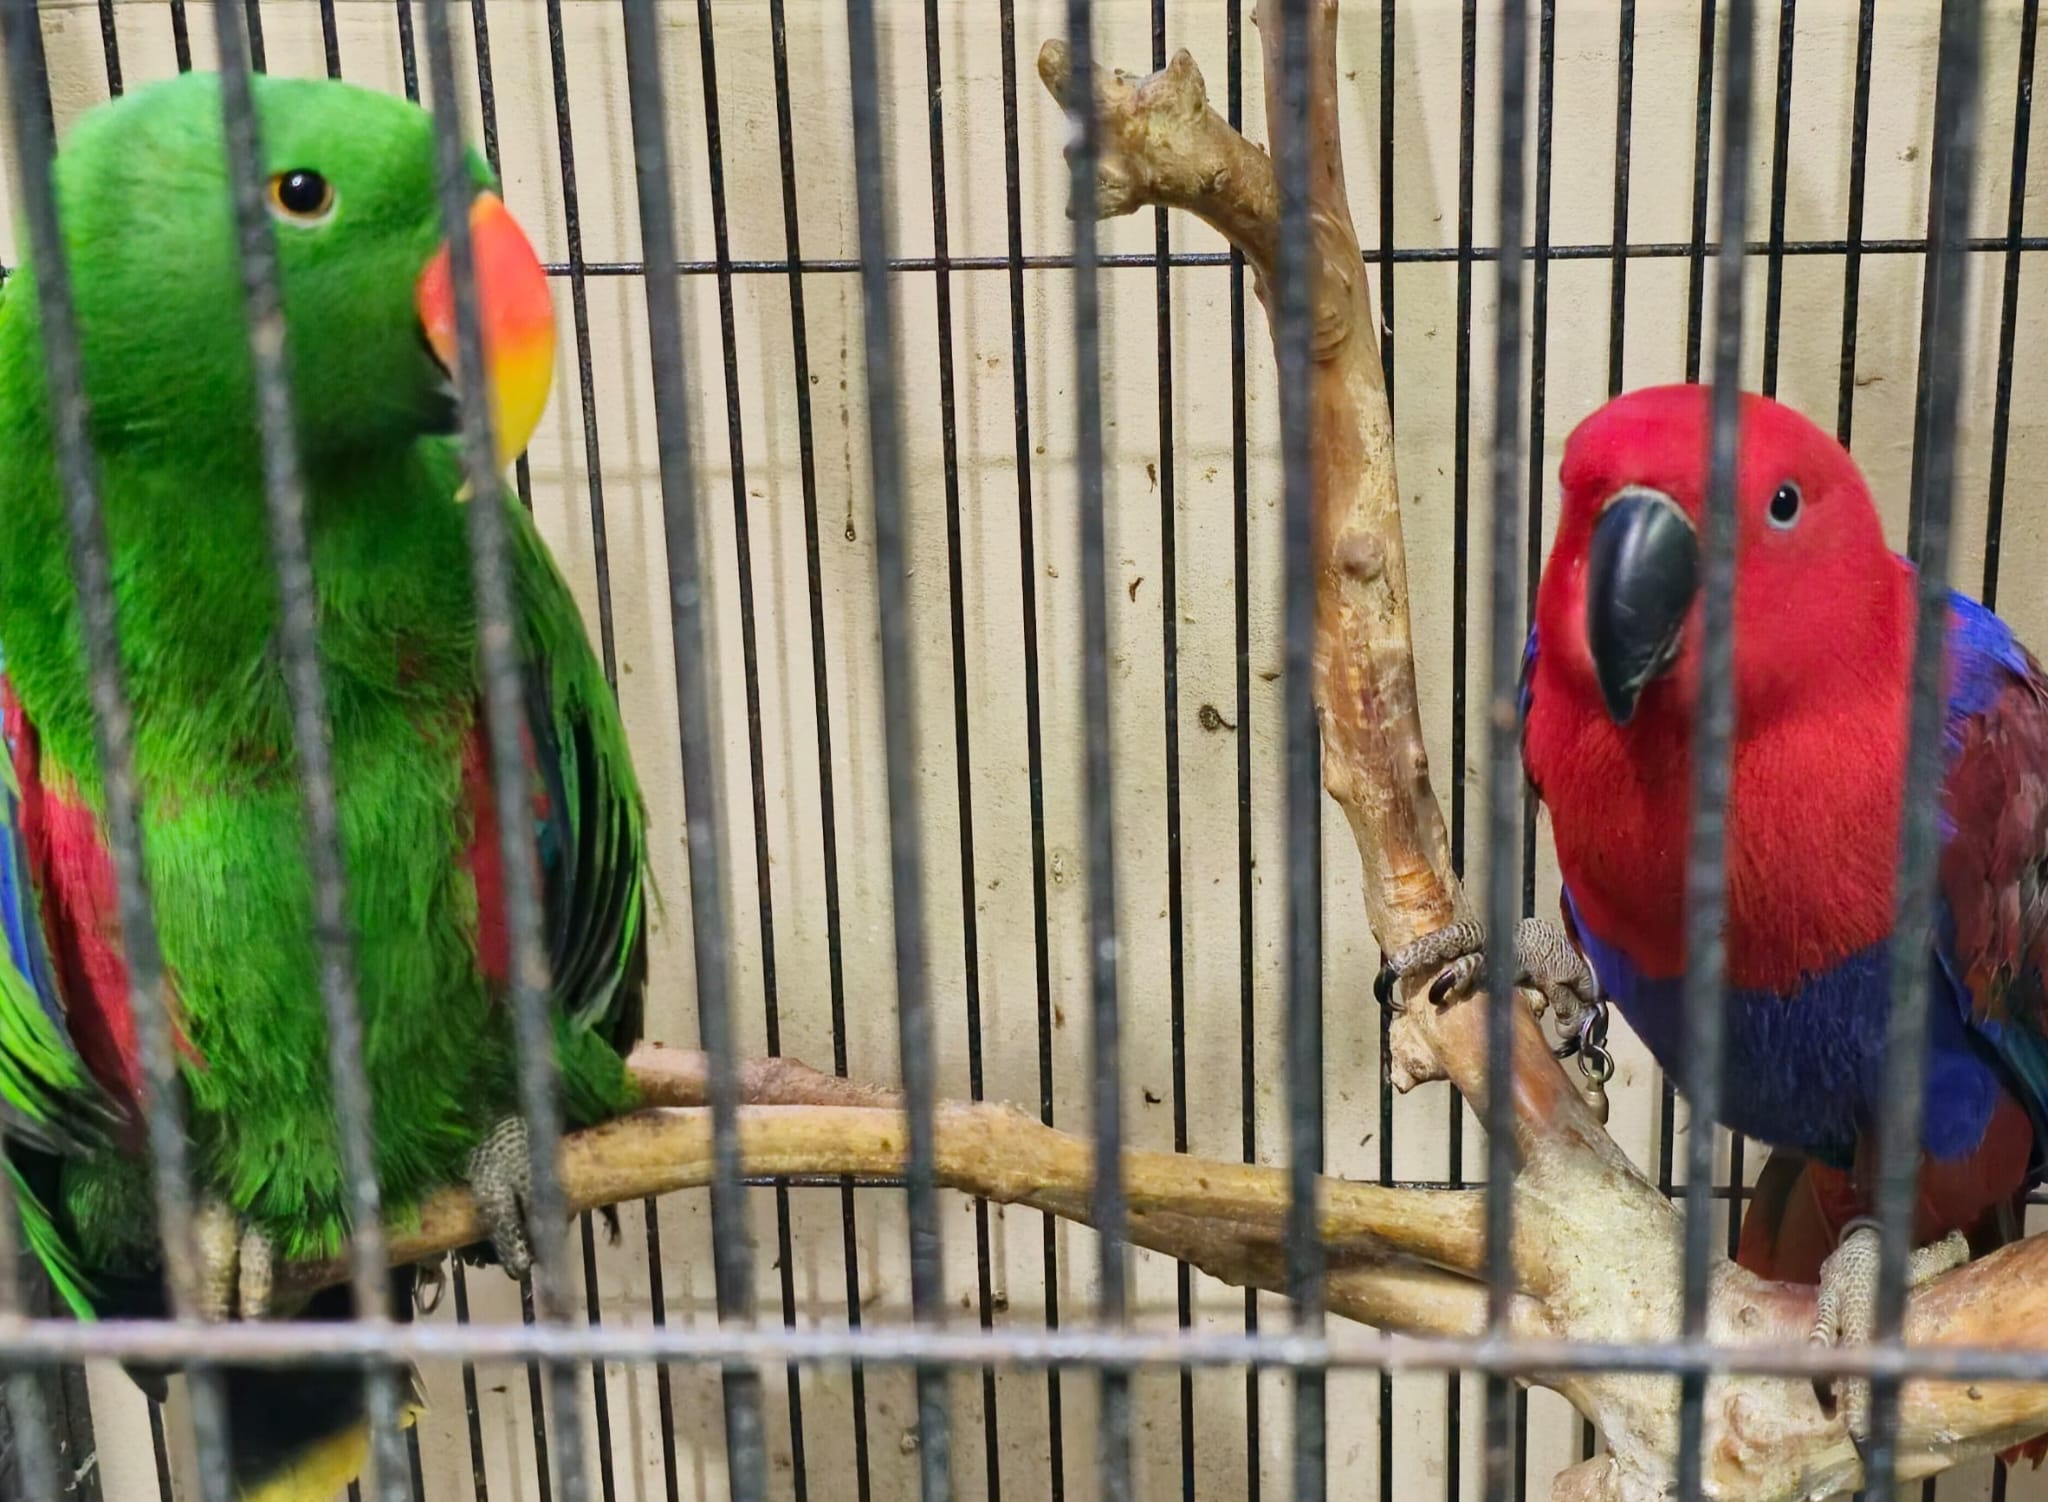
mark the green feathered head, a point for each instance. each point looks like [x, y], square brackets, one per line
[349, 180]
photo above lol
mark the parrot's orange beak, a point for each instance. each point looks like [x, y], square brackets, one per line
[518, 321]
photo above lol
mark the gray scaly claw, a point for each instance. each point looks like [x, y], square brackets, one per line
[501, 1179]
[1545, 961]
[1845, 1314]
[235, 1264]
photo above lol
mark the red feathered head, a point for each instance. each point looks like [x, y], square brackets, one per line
[1816, 586]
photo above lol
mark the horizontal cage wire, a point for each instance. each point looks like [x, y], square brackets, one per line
[946, 684]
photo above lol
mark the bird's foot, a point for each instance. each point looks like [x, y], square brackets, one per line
[1846, 1313]
[234, 1272]
[1545, 961]
[501, 1179]
[430, 1285]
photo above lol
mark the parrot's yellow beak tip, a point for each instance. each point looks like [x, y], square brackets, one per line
[518, 321]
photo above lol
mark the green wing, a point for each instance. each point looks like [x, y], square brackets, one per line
[593, 839]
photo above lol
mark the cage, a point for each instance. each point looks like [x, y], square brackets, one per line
[988, 527]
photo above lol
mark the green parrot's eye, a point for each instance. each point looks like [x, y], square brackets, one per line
[302, 196]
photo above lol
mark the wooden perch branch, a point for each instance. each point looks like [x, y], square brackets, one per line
[1226, 1218]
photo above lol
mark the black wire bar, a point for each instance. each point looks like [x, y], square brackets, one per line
[44, 1342]
[1106, 1196]
[732, 1238]
[312, 738]
[1504, 818]
[1404, 255]
[1294, 323]
[539, 1103]
[750, 663]
[828, 820]
[1034, 720]
[1706, 890]
[1952, 175]
[899, 708]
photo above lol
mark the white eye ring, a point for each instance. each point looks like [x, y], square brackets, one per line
[1786, 504]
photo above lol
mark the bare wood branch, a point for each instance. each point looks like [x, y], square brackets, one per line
[1226, 1218]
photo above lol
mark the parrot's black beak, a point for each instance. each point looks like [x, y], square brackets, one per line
[1641, 574]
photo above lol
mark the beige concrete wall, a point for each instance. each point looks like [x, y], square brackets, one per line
[1425, 81]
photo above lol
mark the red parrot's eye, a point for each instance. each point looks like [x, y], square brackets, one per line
[1786, 505]
[302, 196]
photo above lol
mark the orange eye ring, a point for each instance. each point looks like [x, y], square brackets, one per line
[301, 196]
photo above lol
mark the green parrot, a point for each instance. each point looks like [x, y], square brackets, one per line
[143, 195]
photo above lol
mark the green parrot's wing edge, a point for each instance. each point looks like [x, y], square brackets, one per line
[594, 843]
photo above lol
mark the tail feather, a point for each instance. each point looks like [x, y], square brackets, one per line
[304, 1435]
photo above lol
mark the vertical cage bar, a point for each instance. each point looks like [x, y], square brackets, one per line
[1241, 594]
[1624, 130]
[1952, 174]
[1504, 760]
[821, 698]
[1532, 542]
[1169, 631]
[487, 107]
[1107, 1196]
[963, 759]
[252, 15]
[330, 38]
[480, 1490]
[1295, 270]
[1539, 369]
[906, 843]
[1781, 163]
[1695, 326]
[1706, 891]
[181, 36]
[1461, 607]
[750, 662]
[110, 48]
[113, 721]
[408, 51]
[1852, 256]
[284, 493]
[732, 1237]
[1702, 147]
[1389, 20]
[2009, 299]
[539, 1105]
[1774, 302]
[1034, 739]
[522, 477]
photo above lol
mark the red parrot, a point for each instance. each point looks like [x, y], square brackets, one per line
[1825, 620]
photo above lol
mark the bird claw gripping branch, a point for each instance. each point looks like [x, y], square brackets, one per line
[1546, 961]
[1846, 1313]
[501, 1179]
[235, 1265]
